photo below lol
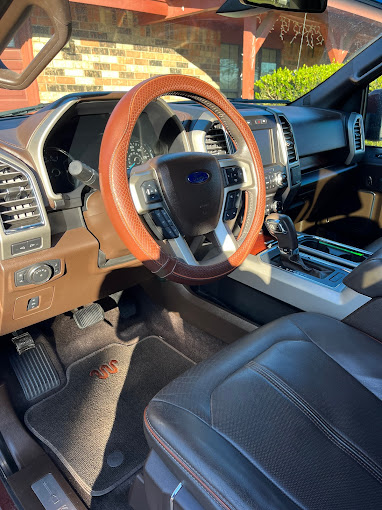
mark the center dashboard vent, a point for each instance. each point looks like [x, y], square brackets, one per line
[289, 140]
[358, 138]
[19, 207]
[218, 141]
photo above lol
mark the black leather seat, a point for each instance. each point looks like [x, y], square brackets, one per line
[374, 246]
[288, 417]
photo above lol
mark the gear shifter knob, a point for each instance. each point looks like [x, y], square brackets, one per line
[282, 228]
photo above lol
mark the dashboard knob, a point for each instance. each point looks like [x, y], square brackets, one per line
[40, 273]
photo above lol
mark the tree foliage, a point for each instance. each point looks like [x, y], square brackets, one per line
[285, 84]
[376, 84]
[288, 85]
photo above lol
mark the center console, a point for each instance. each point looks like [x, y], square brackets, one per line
[333, 261]
[315, 283]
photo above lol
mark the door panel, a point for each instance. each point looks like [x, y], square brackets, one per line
[371, 179]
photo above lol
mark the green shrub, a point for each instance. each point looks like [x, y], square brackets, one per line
[376, 84]
[289, 85]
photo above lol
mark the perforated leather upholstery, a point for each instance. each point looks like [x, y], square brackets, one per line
[288, 417]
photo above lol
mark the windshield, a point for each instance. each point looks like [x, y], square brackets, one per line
[268, 56]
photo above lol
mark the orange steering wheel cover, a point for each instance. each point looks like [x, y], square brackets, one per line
[115, 187]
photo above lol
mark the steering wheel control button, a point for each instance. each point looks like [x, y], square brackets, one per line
[232, 205]
[33, 303]
[233, 175]
[162, 225]
[230, 214]
[233, 199]
[151, 192]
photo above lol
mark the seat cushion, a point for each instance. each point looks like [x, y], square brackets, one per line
[288, 417]
[374, 246]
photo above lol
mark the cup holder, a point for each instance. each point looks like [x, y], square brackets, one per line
[332, 249]
[353, 257]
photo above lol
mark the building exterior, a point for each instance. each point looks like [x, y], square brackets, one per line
[116, 44]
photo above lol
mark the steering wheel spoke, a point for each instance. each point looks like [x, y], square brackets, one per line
[223, 238]
[181, 250]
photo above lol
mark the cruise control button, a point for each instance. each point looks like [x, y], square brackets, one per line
[166, 217]
[163, 226]
[158, 218]
[169, 233]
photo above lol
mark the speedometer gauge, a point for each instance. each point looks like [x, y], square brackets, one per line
[138, 153]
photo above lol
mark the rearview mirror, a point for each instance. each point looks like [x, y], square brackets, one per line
[14, 17]
[289, 5]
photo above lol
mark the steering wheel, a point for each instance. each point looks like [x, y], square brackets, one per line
[196, 193]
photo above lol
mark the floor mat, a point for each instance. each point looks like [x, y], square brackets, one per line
[94, 425]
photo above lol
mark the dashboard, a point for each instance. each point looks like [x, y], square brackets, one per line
[59, 245]
[78, 136]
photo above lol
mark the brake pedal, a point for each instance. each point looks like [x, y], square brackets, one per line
[35, 372]
[88, 315]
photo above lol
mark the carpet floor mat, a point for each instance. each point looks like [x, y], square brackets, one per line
[94, 425]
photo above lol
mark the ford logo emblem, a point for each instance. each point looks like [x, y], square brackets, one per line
[198, 177]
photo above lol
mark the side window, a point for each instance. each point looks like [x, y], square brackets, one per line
[373, 125]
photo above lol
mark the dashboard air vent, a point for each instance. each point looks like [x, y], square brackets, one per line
[356, 136]
[19, 208]
[217, 140]
[289, 140]
[358, 142]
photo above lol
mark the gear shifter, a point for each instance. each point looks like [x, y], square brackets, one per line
[282, 228]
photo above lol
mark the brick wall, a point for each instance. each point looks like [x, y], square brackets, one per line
[108, 50]
[309, 56]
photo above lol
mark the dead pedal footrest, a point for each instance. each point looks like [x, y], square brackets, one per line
[88, 315]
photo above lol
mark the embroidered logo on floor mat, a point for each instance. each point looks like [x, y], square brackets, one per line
[104, 370]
